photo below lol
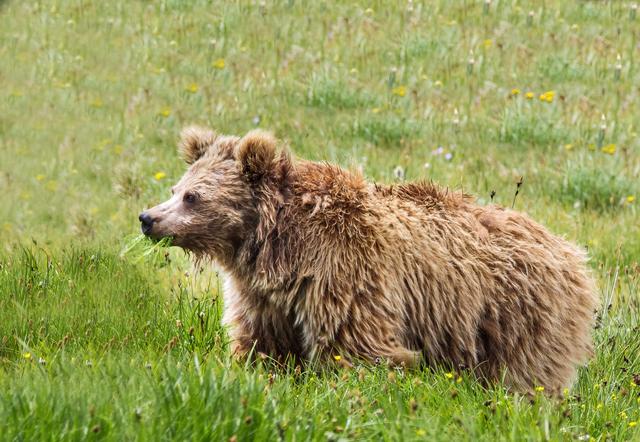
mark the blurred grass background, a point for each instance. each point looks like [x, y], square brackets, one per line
[471, 94]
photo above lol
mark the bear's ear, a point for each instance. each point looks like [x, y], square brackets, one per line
[194, 142]
[256, 153]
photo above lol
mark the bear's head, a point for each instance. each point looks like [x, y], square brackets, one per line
[229, 194]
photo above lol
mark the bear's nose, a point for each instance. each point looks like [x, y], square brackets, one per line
[146, 222]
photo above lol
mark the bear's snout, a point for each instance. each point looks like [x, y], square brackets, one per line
[146, 222]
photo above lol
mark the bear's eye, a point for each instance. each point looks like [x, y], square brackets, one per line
[189, 198]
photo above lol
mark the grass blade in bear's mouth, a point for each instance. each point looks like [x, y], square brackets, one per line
[141, 247]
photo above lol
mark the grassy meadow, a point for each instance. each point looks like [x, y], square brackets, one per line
[100, 344]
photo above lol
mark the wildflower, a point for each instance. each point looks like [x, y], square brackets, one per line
[568, 146]
[539, 389]
[459, 380]
[623, 415]
[421, 432]
[448, 375]
[633, 424]
[547, 96]
[218, 64]
[603, 130]
[375, 110]
[448, 156]
[159, 175]
[42, 361]
[117, 149]
[26, 355]
[165, 112]
[97, 103]
[51, 185]
[192, 88]
[529, 95]
[631, 199]
[40, 177]
[530, 18]
[487, 43]
[368, 11]
[438, 83]
[338, 358]
[609, 149]
[256, 120]
[600, 406]
[456, 117]
[400, 91]
[565, 392]
[515, 91]
[487, 6]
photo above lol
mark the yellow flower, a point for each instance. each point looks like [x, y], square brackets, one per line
[515, 91]
[547, 96]
[218, 64]
[376, 110]
[565, 392]
[631, 199]
[633, 424]
[448, 375]
[117, 149]
[337, 357]
[159, 175]
[26, 355]
[421, 432]
[459, 380]
[568, 146]
[529, 95]
[487, 43]
[97, 103]
[193, 88]
[51, 185]
[40, 177]
[539, 389]
[609, 149]
[400, 91]
[600, 406]
[623, 415]
[165, 112]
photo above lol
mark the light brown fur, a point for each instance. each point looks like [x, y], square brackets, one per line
[319, 262]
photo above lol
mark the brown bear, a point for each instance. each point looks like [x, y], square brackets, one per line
[320, 263]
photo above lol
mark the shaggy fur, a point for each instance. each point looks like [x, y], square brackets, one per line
[320, 262]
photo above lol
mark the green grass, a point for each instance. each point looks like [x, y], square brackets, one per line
[105, 338]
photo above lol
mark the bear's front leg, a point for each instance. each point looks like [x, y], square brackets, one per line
[241, 341]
